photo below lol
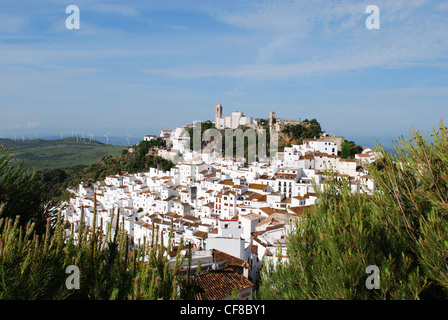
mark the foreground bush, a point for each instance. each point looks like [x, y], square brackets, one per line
[401, 229]
[33, 267]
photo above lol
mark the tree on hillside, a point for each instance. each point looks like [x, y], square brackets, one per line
[204, 127]
[350, 149]
[345, 150]
[305, 130]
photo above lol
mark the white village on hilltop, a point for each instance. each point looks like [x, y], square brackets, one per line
[236, 216]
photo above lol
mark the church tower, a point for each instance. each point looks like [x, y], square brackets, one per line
[271, 118]
[218, 116]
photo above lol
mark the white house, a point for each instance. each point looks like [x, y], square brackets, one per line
[347, 166]
[322, 145]
[149, 137]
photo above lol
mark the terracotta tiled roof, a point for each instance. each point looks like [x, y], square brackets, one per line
[277, 226]
[287, 176]
[219, 256]
[200, 234]
[218, 284]
[257, 186]
[307, 157]
[267, 210]
[226, 182]
[257, 197]
[300, 210]
[211, 175]
[270, 211]
[252, 216]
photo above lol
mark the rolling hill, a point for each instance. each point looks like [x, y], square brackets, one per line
[53, 154]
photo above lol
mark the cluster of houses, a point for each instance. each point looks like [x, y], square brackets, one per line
[234, 216]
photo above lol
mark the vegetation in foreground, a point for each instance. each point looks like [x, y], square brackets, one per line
[402, 229]
[34, 267]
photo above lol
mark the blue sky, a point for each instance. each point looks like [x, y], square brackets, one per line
[140, 66]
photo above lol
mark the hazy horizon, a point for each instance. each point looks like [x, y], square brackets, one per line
[121, 140]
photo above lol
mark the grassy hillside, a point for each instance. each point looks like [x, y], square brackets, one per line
[54, 182]
[52, 154]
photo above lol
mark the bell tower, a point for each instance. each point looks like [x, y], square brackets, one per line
[218, 116]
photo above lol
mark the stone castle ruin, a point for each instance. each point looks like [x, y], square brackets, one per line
[238, 119]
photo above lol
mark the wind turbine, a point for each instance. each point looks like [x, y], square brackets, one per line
[90, 135]
[107, 137]
[127, 138]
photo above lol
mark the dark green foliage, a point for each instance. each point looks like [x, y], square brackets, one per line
[350, 149]
[415, 193]
[157, 143]
[34, 267]
[401, 229]
[49, 178]
[20, 195]
[31, 267]
[144, 146]
[346, 150]
[332, 248]
[305, 130]
[204, 127]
